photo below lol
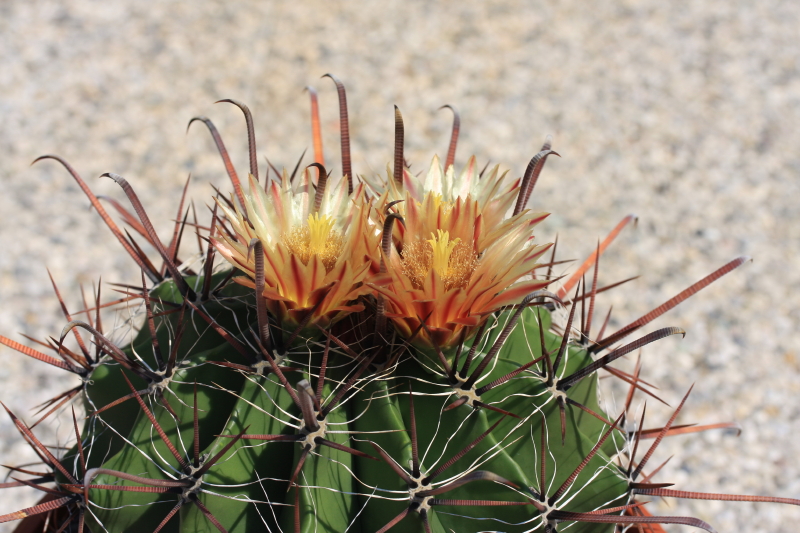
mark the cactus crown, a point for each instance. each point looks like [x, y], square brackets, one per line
[373, 354]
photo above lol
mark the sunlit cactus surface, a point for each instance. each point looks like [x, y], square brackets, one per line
[350, 353]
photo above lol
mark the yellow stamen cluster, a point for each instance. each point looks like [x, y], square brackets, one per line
[453, 261]
[316, 238]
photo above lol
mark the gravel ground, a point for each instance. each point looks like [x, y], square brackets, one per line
[684, 113]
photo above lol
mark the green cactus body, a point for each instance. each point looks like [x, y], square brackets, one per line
[247, 488]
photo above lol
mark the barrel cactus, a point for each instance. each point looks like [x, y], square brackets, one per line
[372, 354]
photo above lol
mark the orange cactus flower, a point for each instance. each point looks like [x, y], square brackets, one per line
[320, 249]
[458, 258]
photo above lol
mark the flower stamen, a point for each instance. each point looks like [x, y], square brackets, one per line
[453, 261]
[316, 238]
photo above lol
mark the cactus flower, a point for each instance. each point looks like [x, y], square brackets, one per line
[457, 259]
[319, 249]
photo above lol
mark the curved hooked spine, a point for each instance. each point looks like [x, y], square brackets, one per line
[344, 128]
[184, 289]
[154, 276]
[251, 134]
[451, 149]
[322, 182]
[223, 152]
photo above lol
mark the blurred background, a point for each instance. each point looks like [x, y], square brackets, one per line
[685, 113]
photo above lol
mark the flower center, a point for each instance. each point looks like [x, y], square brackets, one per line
[453, 261]
[442, 250]
[316, 238]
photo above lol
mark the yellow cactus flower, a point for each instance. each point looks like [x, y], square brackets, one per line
[320, 249]
[452, 270]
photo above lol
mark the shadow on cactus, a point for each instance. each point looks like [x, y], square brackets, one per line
[383, 355]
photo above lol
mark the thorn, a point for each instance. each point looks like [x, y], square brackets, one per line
[251, 135]
[344, 127]
[451, 149]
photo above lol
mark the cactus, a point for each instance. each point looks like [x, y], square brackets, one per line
[375, 354]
